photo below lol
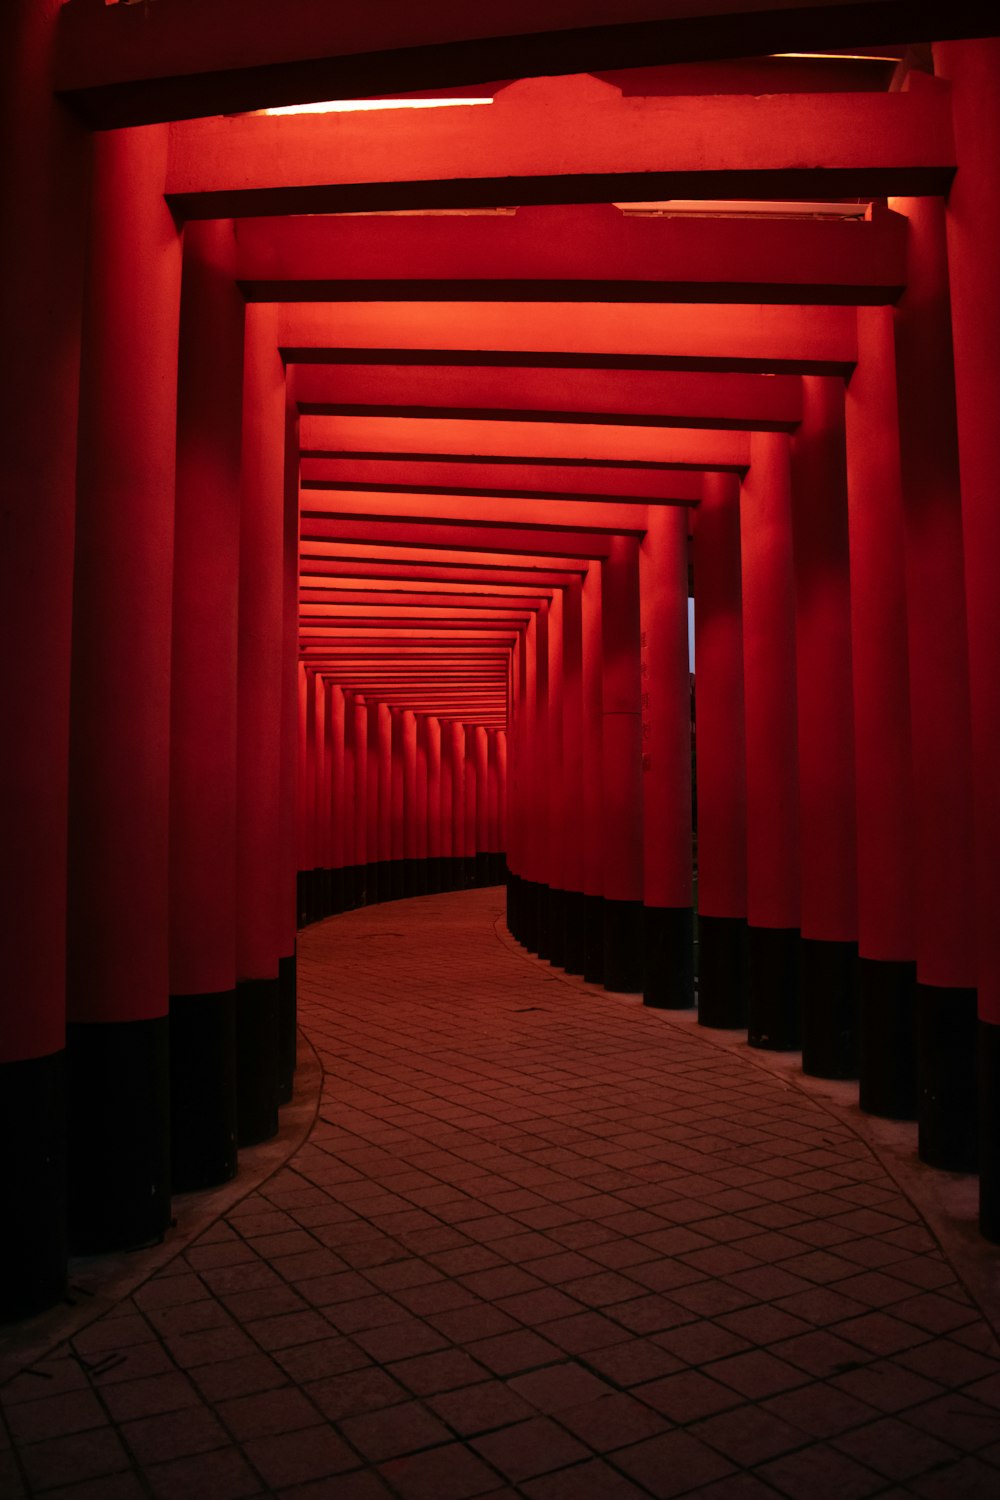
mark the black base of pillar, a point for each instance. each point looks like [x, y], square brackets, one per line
[433, 876]
[33, 1246]
[575, 928]
[410, 877]
[887, 1055]
[483, 868]
[593, 953]
[528, 913]
[497, 869]
[988, 1071]
[395, 880]
[318, 903]
[722, 981]
[828, 996]
[543, 896]
[257, 1051]
[456, 872]
[202, 1090]
[668, 957]
[421, 877]
[377, 881]
[511, 906]
[623, 945]
[288, 1027]
[301, 898]
[328, 906]
[947, 1114]
[557, 928]
[773, 988]
[118, 1098]
[337, 887]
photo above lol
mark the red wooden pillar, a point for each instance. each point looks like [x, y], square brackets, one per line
[720, 759]
[828, 950]
[884, 767]
[622, 760]
[260, 937]
[529, 782]
[435, 843]
[338, 796]
[309, 795]
[481, 755]
[347, 807]
[412, 885]
[380, 801]
[396, 807]
[514, 708]
[459, 838]
[446, 783]
[537, 831]
[318, 798]
[574, 920]
[772, 791]
[287, 924]
[117, 962]
[303, 790]
[973, 229]
[552, 936]
[43, 204]
[668, 973]
[471, 803]
[502, 804]
[592, 740]
[203, 713]
[493, 845]
[362, 848]
[939, 698]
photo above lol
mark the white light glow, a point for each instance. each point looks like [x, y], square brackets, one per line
[352, 106]
[842, 56]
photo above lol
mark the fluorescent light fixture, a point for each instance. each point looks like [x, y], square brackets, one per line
[736, 208]
[841, 56]
[352, 106]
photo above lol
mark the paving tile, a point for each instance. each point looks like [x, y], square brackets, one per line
[687, 1396]
[293, 1457]
[123, 1486]
[820, 1470]
[512, 1353]
[449, 1473]
[237, 1377]
[612, 1421]
[283, 1410]
[529, 1448]
[445, 1370]
[592, 1480]
[173, 1434]
[222, 1475]
[55, 1416]
[630, 1363]
[357, 1391]
[899, 1450]
[748, 1435]
[757, 1374]
[480, 1408]
[81, 1455]
[394, 1430]
[559, 1387]
[672, 1464]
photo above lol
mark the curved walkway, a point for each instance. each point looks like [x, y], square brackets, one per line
[539, 1242]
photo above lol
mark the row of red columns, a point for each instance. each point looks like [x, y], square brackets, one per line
[176, 1038]
[835, 821]
[426, 814]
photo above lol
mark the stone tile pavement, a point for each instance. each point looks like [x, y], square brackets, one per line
[539, 1242]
